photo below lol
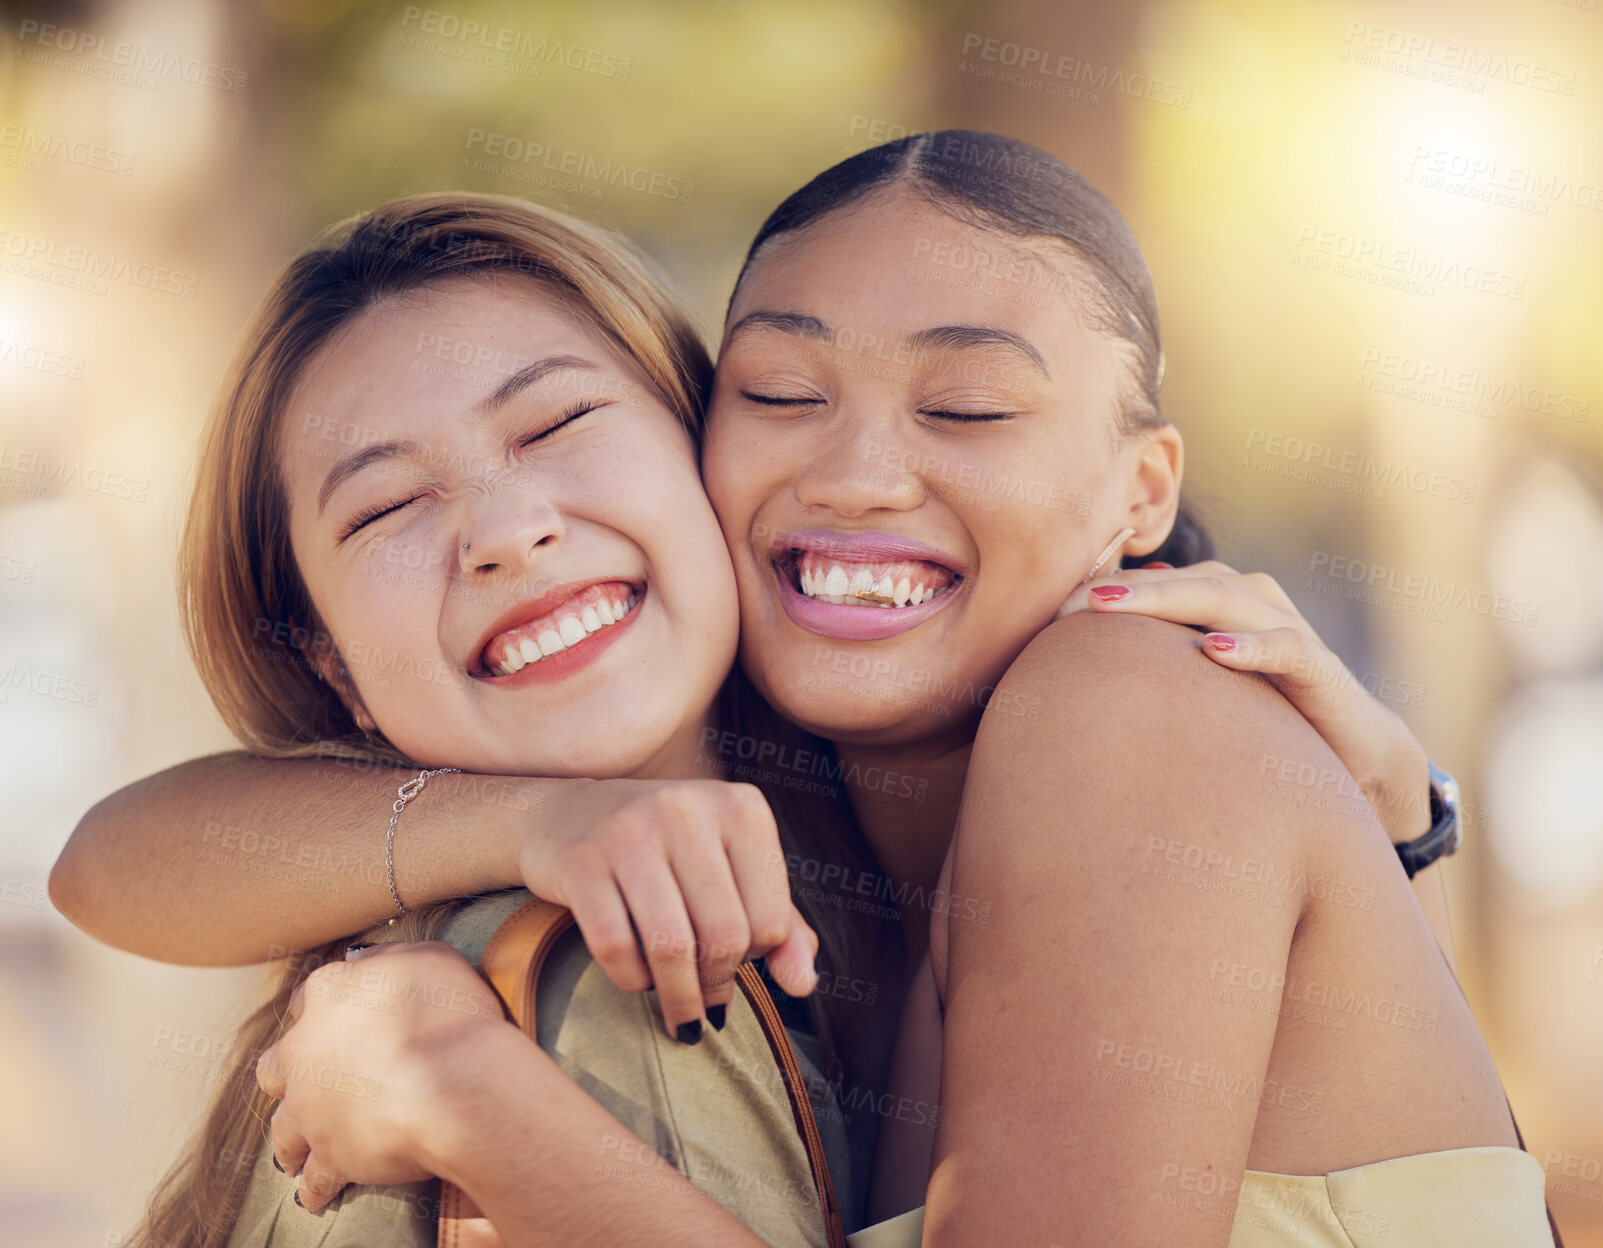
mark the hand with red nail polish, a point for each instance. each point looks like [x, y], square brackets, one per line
[1255, 627]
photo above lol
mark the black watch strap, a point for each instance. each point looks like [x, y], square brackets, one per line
[1444, 835]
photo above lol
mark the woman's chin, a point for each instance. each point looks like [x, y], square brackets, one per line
[883, 710]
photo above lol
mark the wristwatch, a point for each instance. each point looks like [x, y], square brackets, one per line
[1444, 835]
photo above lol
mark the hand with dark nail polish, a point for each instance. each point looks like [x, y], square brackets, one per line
[690, 1033]
[717, 1015]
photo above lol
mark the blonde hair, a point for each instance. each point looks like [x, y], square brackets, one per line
[238, 578]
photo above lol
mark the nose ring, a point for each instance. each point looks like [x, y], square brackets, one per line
[465, 545]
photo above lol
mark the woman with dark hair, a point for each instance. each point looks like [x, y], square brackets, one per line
[904, 530]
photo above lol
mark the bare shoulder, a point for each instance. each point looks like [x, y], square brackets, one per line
[1135, 670]
[1102, 712]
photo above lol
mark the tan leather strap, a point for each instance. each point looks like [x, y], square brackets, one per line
[512, 963]
[801, 1104]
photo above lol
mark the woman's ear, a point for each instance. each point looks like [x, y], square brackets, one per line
[331, 670]
[1154, 498]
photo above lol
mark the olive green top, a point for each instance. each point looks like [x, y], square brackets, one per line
[716, 1111]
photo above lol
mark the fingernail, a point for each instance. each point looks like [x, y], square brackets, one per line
[716, 1015]
[297, 1195]
[1158, 563]
[1111, 593]
[1220, 641]
[350, 949]
[690, 1033]
[277, 1163]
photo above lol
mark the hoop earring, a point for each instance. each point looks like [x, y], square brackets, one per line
[1119, 539]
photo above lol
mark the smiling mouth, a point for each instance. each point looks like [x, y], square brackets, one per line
[572, 623]
[888, 585]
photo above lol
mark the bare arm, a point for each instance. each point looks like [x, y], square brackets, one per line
[235, 859]
[1262, 631]
[1079, 1056]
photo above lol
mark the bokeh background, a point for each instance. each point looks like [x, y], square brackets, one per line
[1377, 236]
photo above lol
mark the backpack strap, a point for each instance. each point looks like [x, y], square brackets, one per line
[801, 1104]
[512, 963]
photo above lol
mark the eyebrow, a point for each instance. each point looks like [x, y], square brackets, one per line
[355, 462]
[940, 338]
[786, 322]
[966, 337]
[529, 375]
[521, 380]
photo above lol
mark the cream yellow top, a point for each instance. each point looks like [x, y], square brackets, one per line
[1464, 1198]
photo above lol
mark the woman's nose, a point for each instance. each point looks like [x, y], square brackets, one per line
[507, 531]
[857, 469]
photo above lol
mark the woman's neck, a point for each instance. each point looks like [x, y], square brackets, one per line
[906, 799]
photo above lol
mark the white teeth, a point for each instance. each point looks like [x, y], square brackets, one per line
[837, 582]
[862, 582]
[570, 629]
[918, 594]
[904, 591]
[806, 581]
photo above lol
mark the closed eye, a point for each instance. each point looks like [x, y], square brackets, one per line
[580, 407]
[778, 400]
[369, 514]
[967, 416]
